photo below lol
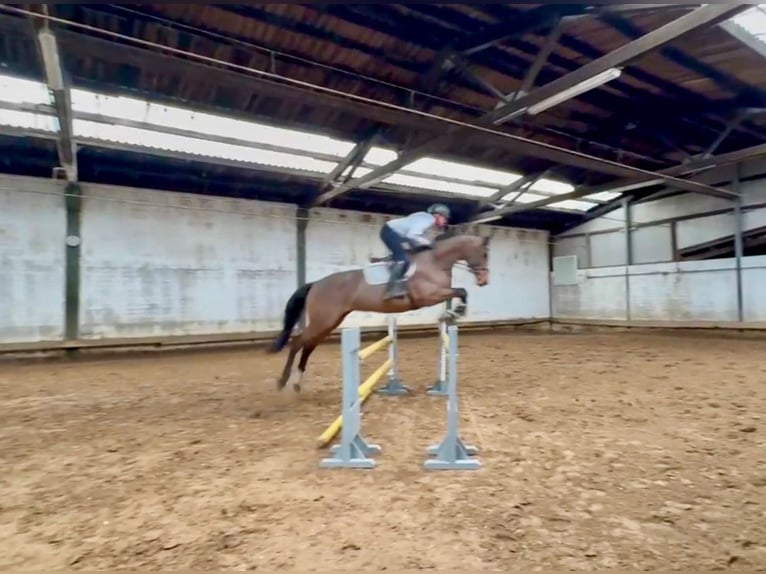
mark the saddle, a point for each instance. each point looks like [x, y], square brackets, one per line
[411, 250]
[379, 271]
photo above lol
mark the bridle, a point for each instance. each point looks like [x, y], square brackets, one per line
[476, 270]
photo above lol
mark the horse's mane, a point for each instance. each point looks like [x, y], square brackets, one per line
[450, 233]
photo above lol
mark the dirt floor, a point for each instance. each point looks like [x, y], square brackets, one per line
[599, 450]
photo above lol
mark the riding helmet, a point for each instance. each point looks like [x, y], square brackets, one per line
[439, 208]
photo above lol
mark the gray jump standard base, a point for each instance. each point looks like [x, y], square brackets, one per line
[353, 451]
[451, 453]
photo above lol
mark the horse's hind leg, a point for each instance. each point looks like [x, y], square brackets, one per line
[305, 354]
[314, 334]
[296, 343]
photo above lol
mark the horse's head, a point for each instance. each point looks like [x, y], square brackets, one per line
[477, 258]
[472, 249]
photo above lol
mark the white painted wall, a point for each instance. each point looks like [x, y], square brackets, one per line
[654, 288]
[653, 243]
[160, 263]
[32, 260]
[156, 263]
[753, 281]
[665, 292]
[518, 277]
[599, 294]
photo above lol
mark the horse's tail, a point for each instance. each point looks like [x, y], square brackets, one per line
[293, 310]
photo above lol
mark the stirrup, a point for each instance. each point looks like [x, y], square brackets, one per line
[395, 291]
[395, 280]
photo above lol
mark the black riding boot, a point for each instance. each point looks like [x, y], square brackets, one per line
[397, 272]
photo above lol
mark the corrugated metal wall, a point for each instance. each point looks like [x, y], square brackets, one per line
[157, 264]
[655, 288]
[672, 292]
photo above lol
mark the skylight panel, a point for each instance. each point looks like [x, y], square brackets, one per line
[462, 171]
[21, 91]
[753, 21]
[572, 204]
[439, 185]
[206, 124]
[749, 27]
[358, 172]
[526, 197]
[603, 195]
[28, 120]
[380, 156]
[552, 186]
[121, 107]
[191, 145]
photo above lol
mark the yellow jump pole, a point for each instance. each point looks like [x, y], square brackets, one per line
[365, 390]
[393, 387]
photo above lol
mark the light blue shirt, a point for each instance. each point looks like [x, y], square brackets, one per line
[413, 226]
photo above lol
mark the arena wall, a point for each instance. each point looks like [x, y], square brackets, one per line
[657, 286]
[32, 235]
[157, 264]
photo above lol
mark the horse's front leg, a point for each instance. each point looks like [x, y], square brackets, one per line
[441, 295]
[462, 294]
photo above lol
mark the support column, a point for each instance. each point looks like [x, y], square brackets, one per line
[73, 203]
[738, 244]
[626, 209]
[301, 224]
[674, 239]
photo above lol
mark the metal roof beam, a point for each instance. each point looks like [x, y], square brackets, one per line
[723, 80]
[464, 67]
[730, 127]
[80, 45]
[353, 159]
[451, 21]
[535, 20]
[688, 168]
[59, 88]
[522, 183]
[746, 38]
[541, 59]
[702, 17]
[706, 16]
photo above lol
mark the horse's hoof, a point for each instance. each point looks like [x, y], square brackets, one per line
[451, 315]
[297, 387]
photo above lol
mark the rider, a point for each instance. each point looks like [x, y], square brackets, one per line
[410, 229]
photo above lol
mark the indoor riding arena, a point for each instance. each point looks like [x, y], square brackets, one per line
[183, 188]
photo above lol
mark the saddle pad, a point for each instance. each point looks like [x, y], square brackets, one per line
[377, 273]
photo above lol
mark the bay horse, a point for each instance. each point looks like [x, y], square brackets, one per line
[329, 300]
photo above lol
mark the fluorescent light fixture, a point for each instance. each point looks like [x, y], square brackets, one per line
[576, 90]
[488, 219]
[51, 59]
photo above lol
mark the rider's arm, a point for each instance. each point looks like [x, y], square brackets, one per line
[420, 223]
